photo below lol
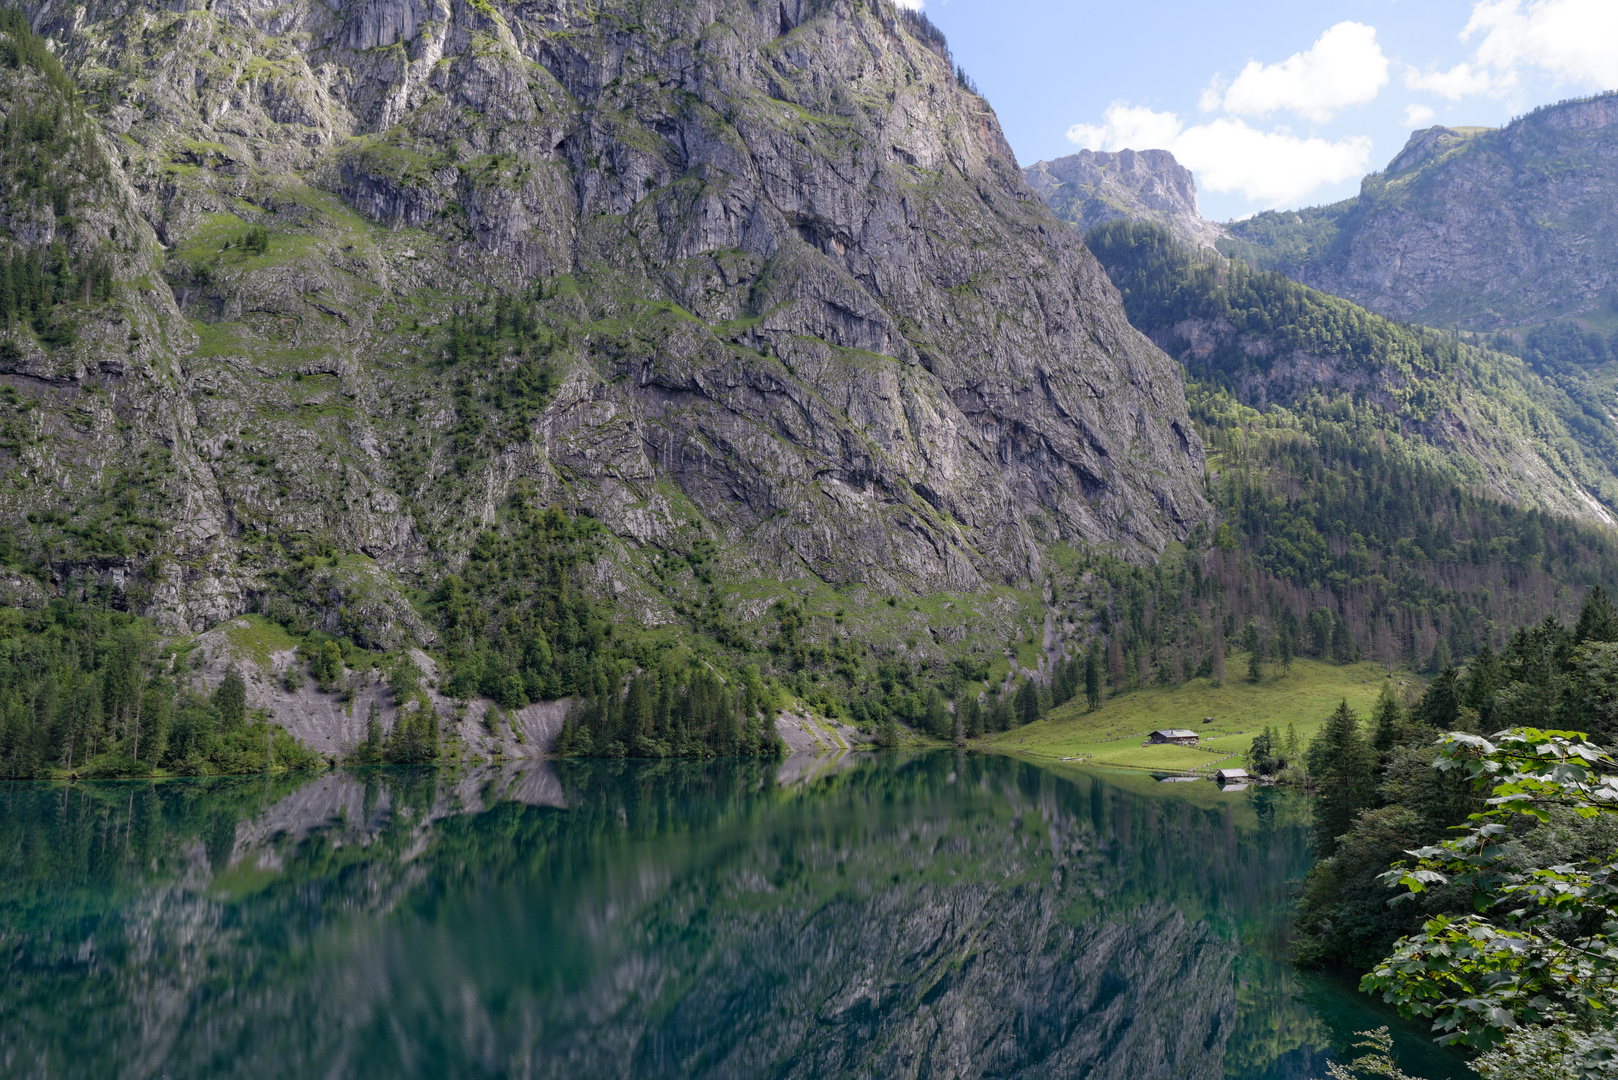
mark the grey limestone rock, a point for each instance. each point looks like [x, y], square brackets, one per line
[1480, 228]
[800, 299]
[1092, 187]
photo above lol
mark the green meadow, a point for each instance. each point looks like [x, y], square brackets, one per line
[1114, 734]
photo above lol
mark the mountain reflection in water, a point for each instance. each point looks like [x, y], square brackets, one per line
[940, 915]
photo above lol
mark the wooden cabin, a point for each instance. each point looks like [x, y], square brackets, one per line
[1238, 776]
[1178, 736]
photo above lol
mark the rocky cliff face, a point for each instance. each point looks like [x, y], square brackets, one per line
[1090, 187]
[1478, 228]
[791, 294]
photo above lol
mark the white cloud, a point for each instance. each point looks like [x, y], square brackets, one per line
[1417, 116]
[1227, 155]
[1134, 126]
[1459, 81]
[1575, 40]
[1344, 67]
[911, 5]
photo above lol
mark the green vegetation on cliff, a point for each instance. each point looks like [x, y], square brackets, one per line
[1479, 415]
[84, 691]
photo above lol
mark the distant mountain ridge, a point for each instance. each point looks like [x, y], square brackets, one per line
[1481, 228]
[1092, 187]
[1484, 229]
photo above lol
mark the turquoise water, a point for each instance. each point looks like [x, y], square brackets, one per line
[935, 916]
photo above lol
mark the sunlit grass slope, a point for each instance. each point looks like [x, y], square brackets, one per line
[1240, 709]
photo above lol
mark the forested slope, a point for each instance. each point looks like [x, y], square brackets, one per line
[1385, 491]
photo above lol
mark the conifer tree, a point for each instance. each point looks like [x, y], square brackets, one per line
[1092, 679]
[230, 700]
[1387, 719]
[372, 751]
[938, 724]
[887, 732]
[1598, 621]
[1484, 676]
[1026, 703]
[1343, 763]
[974, 715]
[1440, 707]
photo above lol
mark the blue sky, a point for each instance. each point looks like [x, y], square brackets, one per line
[1271, 104]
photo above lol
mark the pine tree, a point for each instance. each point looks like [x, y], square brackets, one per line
[1440, 661]
[230, 700]
[1092, 679]
[1484, 676]
[974, 716]
[1026, 703]
[1342, 762]
[1440, 707]
[1115, 665]
[938, 724]
[887, 731]
[1598, 621]
[1388, 719]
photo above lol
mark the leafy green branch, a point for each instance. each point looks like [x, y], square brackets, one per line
[1542, 939]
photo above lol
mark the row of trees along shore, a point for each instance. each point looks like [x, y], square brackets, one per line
[1477, 890]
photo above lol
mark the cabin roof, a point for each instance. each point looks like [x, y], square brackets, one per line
[1233, 774]
[1175, 733]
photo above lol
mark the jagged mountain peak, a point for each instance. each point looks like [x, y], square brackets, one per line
[1091, 187]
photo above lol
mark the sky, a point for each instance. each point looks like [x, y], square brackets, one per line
[1270, 104]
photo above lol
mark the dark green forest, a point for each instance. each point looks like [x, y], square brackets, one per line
[85, 689]
[1344, 535]
[1380, 797]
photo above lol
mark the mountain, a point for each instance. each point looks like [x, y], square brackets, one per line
[1090, 187]
[1481, 228]
[1480, 415]
[316, 302]
[1386, 490]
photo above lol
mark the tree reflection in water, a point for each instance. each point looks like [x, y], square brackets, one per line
[938, 915]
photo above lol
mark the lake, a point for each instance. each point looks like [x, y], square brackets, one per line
[940, 915]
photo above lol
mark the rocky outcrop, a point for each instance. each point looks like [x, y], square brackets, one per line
[798, 298]
[1092, 187]
[1472, 227]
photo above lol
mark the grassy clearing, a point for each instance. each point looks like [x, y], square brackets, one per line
[1113, 735]
[258, 637]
